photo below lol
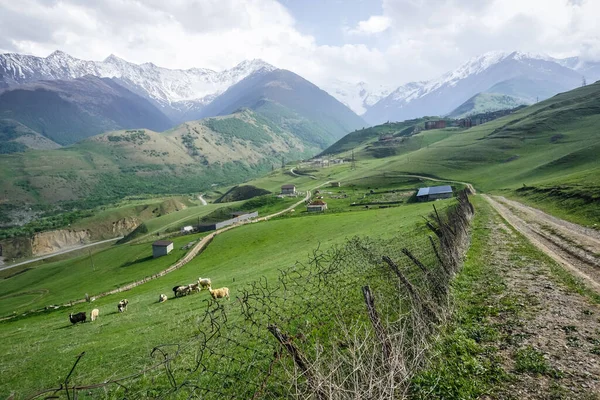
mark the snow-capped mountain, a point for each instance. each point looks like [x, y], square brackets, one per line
[174, 90]
[523, 75]
[357, 96]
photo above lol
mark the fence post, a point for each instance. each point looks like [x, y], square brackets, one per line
[376, 322]
[439, 290]
[414, 295]
[299, 359]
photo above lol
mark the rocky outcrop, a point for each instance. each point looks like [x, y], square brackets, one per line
[52, 241]
[124, 226]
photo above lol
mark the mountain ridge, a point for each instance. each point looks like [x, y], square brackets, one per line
[443, 94]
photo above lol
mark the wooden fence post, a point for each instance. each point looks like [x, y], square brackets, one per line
[376, 322]
[299, 359]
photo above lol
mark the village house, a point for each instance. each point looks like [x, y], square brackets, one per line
[317, 206]
[187, 229]
[336, 184]
[288, 189]
[434, 193]
[238, 216]
[161, 248]
[440, 124]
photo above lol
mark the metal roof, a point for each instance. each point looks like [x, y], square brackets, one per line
[288, 186]
[434, 190]
[162, 243]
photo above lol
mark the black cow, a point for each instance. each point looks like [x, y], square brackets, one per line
[79, 317]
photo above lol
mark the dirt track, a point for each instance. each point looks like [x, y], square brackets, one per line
[575, 247]
[537, 313]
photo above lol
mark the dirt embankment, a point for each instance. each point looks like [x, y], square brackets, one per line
[52, 241]
[575, 247]
[124, 226]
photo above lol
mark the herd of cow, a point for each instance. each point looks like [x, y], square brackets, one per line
[178, 291]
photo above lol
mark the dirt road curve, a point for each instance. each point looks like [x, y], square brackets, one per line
[575, 247]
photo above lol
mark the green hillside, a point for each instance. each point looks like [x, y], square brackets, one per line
[550, 147]
[486, 102]
[189, 158]
[360, 138]
[16, 137]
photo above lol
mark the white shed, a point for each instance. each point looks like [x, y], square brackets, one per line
[161, 248]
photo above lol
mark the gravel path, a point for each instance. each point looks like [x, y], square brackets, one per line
[571, 245]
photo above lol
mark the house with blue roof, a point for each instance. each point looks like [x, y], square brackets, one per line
[434, 193]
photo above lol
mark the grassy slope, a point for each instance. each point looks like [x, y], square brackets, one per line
[112, 344]
[552, 143]
[185, 159]
[486, 102]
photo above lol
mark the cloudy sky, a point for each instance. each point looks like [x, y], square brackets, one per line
[378, 41]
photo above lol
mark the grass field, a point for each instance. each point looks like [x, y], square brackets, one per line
[551, 147]
[112, 344]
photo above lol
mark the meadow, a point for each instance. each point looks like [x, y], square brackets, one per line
[112, 344]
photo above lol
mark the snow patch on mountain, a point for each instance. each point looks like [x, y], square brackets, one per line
[166, 86]
[357, 96]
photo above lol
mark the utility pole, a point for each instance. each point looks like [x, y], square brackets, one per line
[583, 81]
[92, 260]
[353, 161]
[282, 162]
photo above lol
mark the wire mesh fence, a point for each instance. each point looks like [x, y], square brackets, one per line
[351, 322]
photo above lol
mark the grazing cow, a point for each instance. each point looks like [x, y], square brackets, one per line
[162, 298]
[122, 306]
[219, 293]
[179, 289]
[94, 314]
[204, 283]
[79, 317]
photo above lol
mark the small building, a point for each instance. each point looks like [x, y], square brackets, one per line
[440, 124]
[434, 193]
[288, 189]
[187, 229]
[207, 227]
[336, 184]
[317, 206]
[161, 248]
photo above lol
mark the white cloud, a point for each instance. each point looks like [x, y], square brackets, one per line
[409, 40]
[375, 24]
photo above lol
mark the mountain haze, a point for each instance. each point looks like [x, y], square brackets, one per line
[67, 111]
[289, 100]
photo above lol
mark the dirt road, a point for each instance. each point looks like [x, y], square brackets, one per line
[575, 247]
[60, 252]
[549, 334]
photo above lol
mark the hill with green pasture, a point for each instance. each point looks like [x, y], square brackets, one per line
[188, 158]
[486, 102]
[16, 137]
[550, 147]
